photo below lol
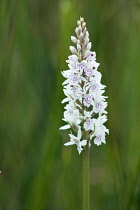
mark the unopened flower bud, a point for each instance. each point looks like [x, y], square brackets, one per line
[78, 22]
[73, 39]
[87, 34]
[86, 40]
[78, 47]
[76, 30]
[89, 46]
[78, 41]
[81, 19]
[84, 30]
[81, 35]
[83, 25]
[72, 49]
[79, 29]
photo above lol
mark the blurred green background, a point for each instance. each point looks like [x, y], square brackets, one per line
[37, 171]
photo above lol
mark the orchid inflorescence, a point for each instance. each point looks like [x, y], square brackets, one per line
[85, 110]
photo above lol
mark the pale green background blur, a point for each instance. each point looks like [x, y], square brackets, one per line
[38, 172]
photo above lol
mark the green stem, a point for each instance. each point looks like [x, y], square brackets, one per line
[86, 178]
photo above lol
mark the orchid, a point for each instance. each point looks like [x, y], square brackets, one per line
[85, 112]
[76, 140]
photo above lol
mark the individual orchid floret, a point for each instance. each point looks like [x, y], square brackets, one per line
[77, 141]
[85, 112]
